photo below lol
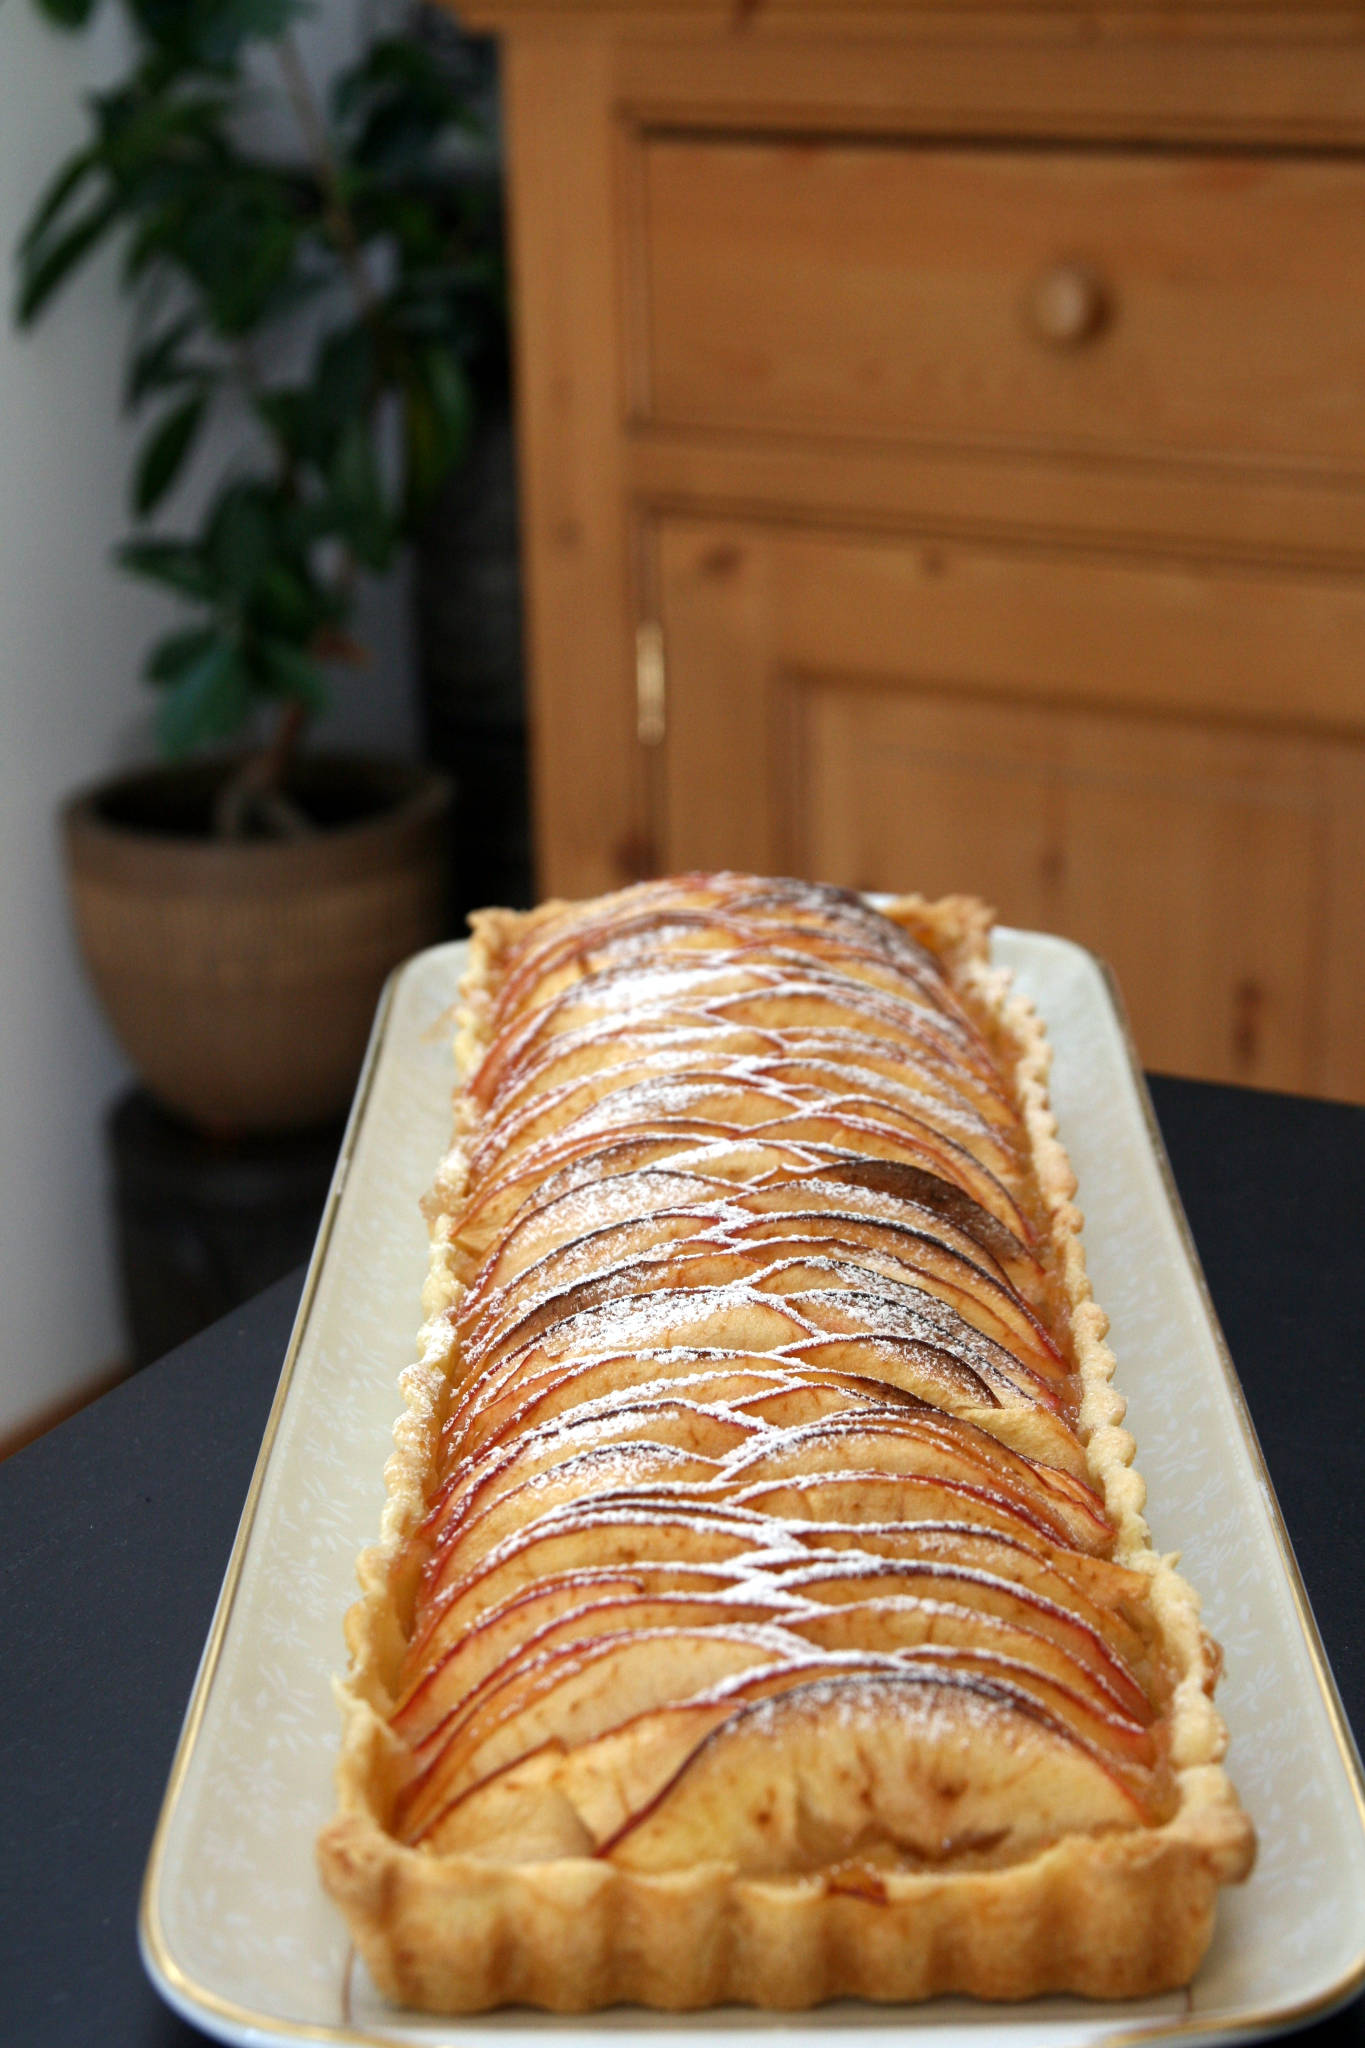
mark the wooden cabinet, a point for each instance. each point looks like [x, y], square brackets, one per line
[932, 710]
[943, 435]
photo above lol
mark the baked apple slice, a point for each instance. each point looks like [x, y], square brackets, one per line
[609, 1530]
[861, 1498]
[1103, 1702]
[938, 1445]
[581, 1691]
[857, 1583]
[466, 1680]
[934, 1768]
[495, 1634]
[633, 1461]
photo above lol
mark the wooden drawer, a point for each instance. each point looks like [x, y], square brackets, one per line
[1109, 301]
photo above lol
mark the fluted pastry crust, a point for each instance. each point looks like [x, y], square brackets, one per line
[493, 1875]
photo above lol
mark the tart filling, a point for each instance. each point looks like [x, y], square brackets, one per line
[764, 1609]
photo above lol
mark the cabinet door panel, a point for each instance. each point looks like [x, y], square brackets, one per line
[1192, 859]
[1210, 860]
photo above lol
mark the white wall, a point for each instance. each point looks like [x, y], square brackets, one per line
[72, 635]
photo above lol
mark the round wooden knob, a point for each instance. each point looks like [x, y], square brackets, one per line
[1067, 304]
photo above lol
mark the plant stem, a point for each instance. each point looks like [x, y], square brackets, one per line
[336, 213]
[255, 797]
[284, 744]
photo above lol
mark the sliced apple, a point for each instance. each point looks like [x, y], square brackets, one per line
[850, 1584]
[1099, 1594]
[935, 1086]
[658, 1102]
[583, 1691]
[856, 1498]
[499, 1392]
[465, 1679]
[954, 1637]
[579, 1160]
[855, 1076]
[847, 1298]
[825, 1001]
[924, 1261]
[571, 1072]
[940, 1769]
[847, 1198]
[881, 1301]
[664, 1413]
[526, 1403]
[599, 1205]
[638, 1085]
[908, 1180]
[478, 1480]
[609, 1777]
[685, 1254]
[750, 1163]
[557, 1803]
[712, 1220]
[587, 1536]
[725, 1318]
[674, 1327]
[937, 1445]
[497, 1633]
[743, 1392]
[870, 1137]
[487, 1631]
[598, 1230]
[589, 1474]
[519, 1816]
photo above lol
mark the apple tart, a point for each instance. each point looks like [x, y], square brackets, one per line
[764, 1610]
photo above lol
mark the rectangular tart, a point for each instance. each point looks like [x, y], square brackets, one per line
[764, 1610]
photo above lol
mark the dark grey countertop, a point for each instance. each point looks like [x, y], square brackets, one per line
[116, 1527]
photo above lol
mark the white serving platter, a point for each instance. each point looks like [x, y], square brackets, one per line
[235, 1929]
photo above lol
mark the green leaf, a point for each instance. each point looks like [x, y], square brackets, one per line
[358, 499]
[176, 564]
[147, 244]
[68, 13]
[163, 456]
[148, 127]
[343, 381]
[239, 538]
[437, 420]
[286, 603]
[171, 656]
[68, 180]
[211, 700]
[226, 26]
[443, 374]
[294, 674]
[284, 414]
[47, 265]
[156, 365]
[394, 103]
[211, 32]
[241, 262]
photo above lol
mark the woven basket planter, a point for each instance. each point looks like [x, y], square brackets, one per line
[241, 977]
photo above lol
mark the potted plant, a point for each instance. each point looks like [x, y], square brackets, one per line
[239, 905]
